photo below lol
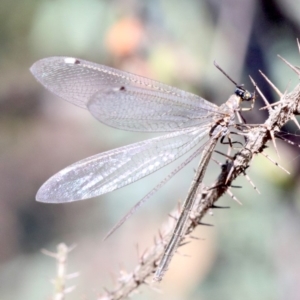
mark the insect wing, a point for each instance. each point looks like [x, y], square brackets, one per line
[138, 109]
[77, 80]
[114, 169]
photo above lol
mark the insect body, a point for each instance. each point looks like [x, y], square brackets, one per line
[131, 102]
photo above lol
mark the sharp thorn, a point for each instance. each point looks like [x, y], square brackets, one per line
[290, 65]
[173, 217]
[219, 207]
[275, 163]
[182, 244]
[262, 95]
[217, 162]
[233, 197]
[294, 119]
[274, 142]
[271, 105]
[196, 238]
[236, 186]
[271, 83]
[205, 224]
[217, 186]
[229, 175]
[252, 184]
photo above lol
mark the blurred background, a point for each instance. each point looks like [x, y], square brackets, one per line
[251, 252]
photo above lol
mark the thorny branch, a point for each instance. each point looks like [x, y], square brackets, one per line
[257, 136]
[60, 289]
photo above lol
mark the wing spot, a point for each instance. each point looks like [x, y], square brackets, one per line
[72, 60]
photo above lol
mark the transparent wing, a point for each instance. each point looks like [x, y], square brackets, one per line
[114, 169]
[138, 109]
[78, 80]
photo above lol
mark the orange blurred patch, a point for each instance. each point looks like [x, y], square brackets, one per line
[124, 37]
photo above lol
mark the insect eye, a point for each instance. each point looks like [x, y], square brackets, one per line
[244, 95]
[248, 96]
[239, 92]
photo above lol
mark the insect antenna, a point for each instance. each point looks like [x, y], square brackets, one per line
[224, 73]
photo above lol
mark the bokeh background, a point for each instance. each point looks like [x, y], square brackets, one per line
[253, 250]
